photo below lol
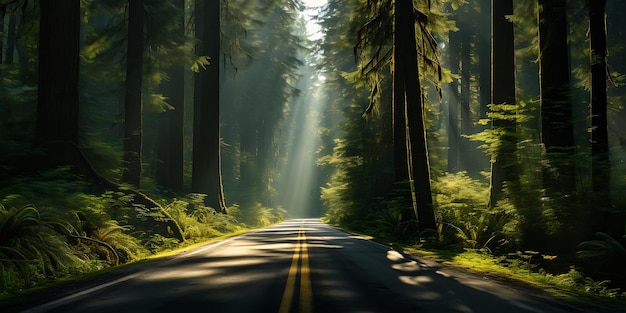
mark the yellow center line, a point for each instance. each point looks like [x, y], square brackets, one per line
[305, 304]
[305, 280]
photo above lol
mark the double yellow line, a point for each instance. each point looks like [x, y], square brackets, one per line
[306, 298]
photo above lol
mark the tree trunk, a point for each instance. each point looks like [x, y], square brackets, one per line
[399, 119]
[503, 166]
[453, 105]
[600, 161]
[556, 110]
[170, 170]
[57, 107]
[10, 52]
[484, 58]
[3, 10]
[419, 169]
[206, 174]
[132, 107]
[465, 97]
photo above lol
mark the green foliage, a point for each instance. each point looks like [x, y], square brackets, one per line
[465, 219]
[256, 215]
[200, 222]
[29, 248]
[603, 257]
[571, 284]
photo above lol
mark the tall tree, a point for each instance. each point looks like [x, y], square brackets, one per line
[556, 109]
[57, 106]
[408, 69]
[503, 168]
[169, 171]
[3, 10]
[11, 38]
[454, 137]
[133, 94]
[206, 173]
[600, 162]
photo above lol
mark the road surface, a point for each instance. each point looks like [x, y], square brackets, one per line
[297, 266]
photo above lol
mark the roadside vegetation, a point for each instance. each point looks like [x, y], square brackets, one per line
[490, 242]
[52, 227]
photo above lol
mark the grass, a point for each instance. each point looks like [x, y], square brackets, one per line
[108, 273]
[571, 287]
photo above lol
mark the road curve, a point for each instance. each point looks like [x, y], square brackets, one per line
[297, 266]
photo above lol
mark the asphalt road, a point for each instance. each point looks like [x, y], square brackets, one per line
[298, 266]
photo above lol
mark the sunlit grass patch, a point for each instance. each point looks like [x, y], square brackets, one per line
[572, 286]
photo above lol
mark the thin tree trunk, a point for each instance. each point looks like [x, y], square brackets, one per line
[465, 97]
[453, 106]
[10, 52]
[600, 162]
[399, 119]
[132, 112]
[484, 58]
[3, 9]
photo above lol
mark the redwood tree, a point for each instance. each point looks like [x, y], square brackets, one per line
[600, 162]
[557, 133]
[57, 106]
[169, 171]
[132, 108]
[411, 94]
[503, 164]
[206, 173]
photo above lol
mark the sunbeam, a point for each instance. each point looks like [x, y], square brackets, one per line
[299, 188]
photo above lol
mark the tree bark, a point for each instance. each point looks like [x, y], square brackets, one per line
[418, 165]
[206, 173]
[57, 107]
[453, 105]
[3, 10]
[10, 52]
[133, 97]
[503, 164]
[556, 109]
[484, 58]
[399, 119]
[600, 161]
[170, 171]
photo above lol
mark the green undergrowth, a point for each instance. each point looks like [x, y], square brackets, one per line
[56, 228]
[571, 286]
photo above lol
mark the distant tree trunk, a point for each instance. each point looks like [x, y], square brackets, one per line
[465, 97]
[484, 57]
[132, 107]
[600, 161]
[453, 105]
[3, 9]
[170, 170]
[10, 52]
[556, 109]
[503, 166]
[206, 175]
[419, 168]
[57, 106]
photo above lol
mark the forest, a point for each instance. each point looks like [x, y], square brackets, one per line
[129, 128]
